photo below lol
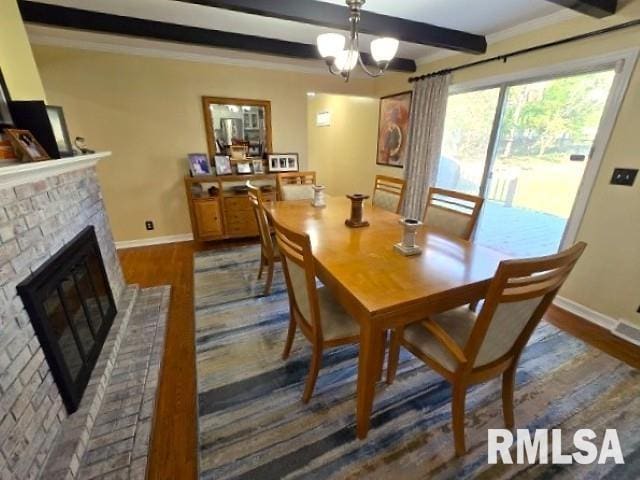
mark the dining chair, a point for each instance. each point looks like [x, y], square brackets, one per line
[296, 185]
[388, 193]
[269, 253]
[467, 349]
[315, 311]
[453, 212]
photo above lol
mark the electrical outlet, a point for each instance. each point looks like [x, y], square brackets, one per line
[624, 176]
[149, 225]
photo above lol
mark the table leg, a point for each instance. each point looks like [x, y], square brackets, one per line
[368, 371]
[383, 351]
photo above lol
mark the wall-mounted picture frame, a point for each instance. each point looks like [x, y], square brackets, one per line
[393, 129]
[283, 162]
[223, 165]
[60, 131]
[26, 146]
[258, 166]
[199, 164]
[6, 121]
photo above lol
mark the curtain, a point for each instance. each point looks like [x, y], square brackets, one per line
[426, 128]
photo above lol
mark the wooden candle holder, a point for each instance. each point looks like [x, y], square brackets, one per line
[356, 220]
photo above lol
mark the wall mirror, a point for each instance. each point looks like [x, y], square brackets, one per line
[237, 121]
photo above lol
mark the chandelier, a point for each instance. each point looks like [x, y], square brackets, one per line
[341, 61]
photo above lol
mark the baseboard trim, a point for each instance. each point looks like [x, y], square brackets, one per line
[587, 313]
[145, 242]
[622, 330]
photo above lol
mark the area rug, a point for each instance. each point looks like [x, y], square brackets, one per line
[253, 424]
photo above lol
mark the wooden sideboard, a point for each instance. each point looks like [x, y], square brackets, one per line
[225, 214]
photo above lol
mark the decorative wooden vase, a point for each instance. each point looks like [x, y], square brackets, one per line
[318, 196]
[408, 245]
[356, 220]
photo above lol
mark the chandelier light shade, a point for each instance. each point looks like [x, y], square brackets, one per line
[342, 55]
[384, 49]
[346, 60]
[330, 44]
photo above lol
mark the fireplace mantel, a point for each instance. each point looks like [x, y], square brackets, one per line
[13, 174]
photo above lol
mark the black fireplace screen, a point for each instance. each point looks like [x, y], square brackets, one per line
[71, 307]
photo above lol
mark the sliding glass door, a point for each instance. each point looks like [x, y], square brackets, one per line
[524, 147]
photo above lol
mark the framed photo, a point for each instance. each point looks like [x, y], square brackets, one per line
[244, 168]
[258, 166]
[283, 162]
[393, 129]
[26, 146]
[223, 165]
[199, 164]
[60, 132]
[5, 114]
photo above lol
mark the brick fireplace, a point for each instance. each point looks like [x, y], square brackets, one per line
[42, 208]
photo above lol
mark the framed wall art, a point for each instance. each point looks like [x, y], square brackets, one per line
[393, 129]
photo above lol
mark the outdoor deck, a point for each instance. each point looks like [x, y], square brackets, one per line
[519, 231]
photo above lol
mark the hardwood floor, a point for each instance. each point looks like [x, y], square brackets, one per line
[173, 442]
[595, 335]
[174, 435]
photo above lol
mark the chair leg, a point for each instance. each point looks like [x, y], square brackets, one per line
[290, 336]
[314, 368]
[267, 286]
[508, 387]
[457, 417]
[261, 267]
[394, 355]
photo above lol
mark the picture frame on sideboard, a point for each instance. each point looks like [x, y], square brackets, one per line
[283, 162]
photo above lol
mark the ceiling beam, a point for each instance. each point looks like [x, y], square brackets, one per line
[336, 16]
[593, 8]
[54, 15]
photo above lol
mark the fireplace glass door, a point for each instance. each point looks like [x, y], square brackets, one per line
[71, 307]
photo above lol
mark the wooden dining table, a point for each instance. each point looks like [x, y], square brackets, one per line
[377, 286]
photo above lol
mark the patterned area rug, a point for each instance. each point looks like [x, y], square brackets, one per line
[253, 424]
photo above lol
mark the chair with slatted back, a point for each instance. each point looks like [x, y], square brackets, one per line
[296, 185]
[453, 212]
[388, 193]
[314, 310]
[269, 254]
[467, 349]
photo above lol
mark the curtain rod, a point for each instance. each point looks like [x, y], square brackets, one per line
[504, 57]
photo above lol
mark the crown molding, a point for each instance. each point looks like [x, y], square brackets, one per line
[118, 48]
[521, 29]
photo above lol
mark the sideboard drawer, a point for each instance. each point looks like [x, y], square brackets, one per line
[239, 203]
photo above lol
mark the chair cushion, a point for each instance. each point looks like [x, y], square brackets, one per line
[387, 201]
[336, 323]
[297, 192]
[450, 221]
[457, 323]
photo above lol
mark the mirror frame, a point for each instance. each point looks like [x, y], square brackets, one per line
[208, 121]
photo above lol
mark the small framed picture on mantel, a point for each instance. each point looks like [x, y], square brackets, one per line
[283, 162]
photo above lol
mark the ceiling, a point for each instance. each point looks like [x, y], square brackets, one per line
[467, 15]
